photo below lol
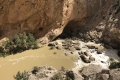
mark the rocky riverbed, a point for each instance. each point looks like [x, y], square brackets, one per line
[63, 59]
[92, 63]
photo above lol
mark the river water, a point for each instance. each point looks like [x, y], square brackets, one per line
[26, 60]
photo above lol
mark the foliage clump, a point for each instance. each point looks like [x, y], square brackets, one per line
[19, 43]
[68, 43]
[21, 76]
[114, 64]
[57, 76]
[68, 78]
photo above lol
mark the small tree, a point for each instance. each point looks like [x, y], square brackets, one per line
[21, 76]
[21, 42]
[32, 42]
[57, 76]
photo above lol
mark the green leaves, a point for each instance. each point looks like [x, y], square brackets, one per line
[57, 76]
[21, 76]
[114, 64]
[20, 42]
[68, 78]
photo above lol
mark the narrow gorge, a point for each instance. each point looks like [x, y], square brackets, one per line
[66, 38]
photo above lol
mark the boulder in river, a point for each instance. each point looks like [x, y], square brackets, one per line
[85, 59]
[72, 48]
[77, 47]
[59, 47]
[91, 58]
[91, 70]
[100, 49]
[87, 53]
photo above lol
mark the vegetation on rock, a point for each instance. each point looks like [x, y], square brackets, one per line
[57, 76]
[19, 43]
[114, 64]
[21, 76]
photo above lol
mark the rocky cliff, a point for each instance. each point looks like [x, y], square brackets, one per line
[47, 18]
[107, 23]
[43, 18]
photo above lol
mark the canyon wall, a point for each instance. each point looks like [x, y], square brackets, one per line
[46, 19]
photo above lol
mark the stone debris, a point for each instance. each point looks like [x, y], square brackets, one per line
[72, 48]
[100, 49]
[51, 44]
[77, 47]
[91, 58]
[87, 53]
[59, 47]
[85, 59]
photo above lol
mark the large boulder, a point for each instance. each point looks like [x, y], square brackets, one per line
[102, 76]
[115, 74]
[89, 72]
[74, 75]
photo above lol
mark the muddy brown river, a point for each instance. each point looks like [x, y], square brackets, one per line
[10, 65]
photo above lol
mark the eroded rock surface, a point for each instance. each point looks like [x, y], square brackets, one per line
[104, 26]
[45, 18]
[91, 72]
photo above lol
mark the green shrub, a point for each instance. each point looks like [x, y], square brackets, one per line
[111, 59]
[21, 76]
[57, 76]
[68, 43]
[20, 42]
[85, 36]
[81, 35]
[114, 65]
[68, 78]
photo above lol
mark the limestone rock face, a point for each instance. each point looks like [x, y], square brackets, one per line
[44, 18]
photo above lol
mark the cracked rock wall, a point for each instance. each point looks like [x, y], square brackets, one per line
[45, 18]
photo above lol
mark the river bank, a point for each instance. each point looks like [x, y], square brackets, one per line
[59, 53]
[43, 56]
[96, 58]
